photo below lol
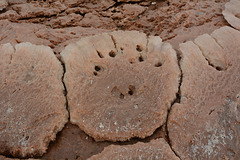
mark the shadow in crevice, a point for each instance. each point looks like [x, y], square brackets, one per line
[177, 100]
[73, 143]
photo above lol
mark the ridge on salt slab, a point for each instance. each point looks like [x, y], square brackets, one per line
[205, 125]
[155, 149]
[32, 103]
[232, 13]
[3, 4]
[120, 84]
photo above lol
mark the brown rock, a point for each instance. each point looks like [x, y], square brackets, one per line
[32, 104]
[156, 149]
[71, 19]
[205, 125]
[5, 158]
[127, 12]
[42, 35]
[93, 19]
[31, 10]
[89, 4]
[16, 33]
[120, 85]
[10, 15]
[232, 13]
[129, 0]
[3, 4]
[11, 2]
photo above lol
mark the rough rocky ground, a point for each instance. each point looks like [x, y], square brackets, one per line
[59, 23]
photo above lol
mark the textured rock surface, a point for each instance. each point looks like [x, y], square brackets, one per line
[57, 23]
[120, 85]
[232, 13]
[3, 4]
[168, 19]
[32, 103]
[40, 34]
[156, 149]
[205, 125]
[5, 158]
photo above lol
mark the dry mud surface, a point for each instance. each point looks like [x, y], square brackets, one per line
[119, 79]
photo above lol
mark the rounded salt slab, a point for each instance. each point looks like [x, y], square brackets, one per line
[156, 149]
[232, 13]
[206, 124]
[32, 103]
[120, 84]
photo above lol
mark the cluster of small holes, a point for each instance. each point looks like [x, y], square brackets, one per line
[97, 69]
[121, 50]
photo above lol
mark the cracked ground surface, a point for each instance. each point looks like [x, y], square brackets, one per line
[58, 23]
[205, 125]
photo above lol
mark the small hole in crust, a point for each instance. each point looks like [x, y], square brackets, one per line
[131, 61]
[121, 50]
[121, 96]
[140, 59]
[131, 90]
[159, 64]
[218, 68]
[139, 48]
[95, 73]
[100, 54]
[112, 54]
[97, 68]
[26, 138]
